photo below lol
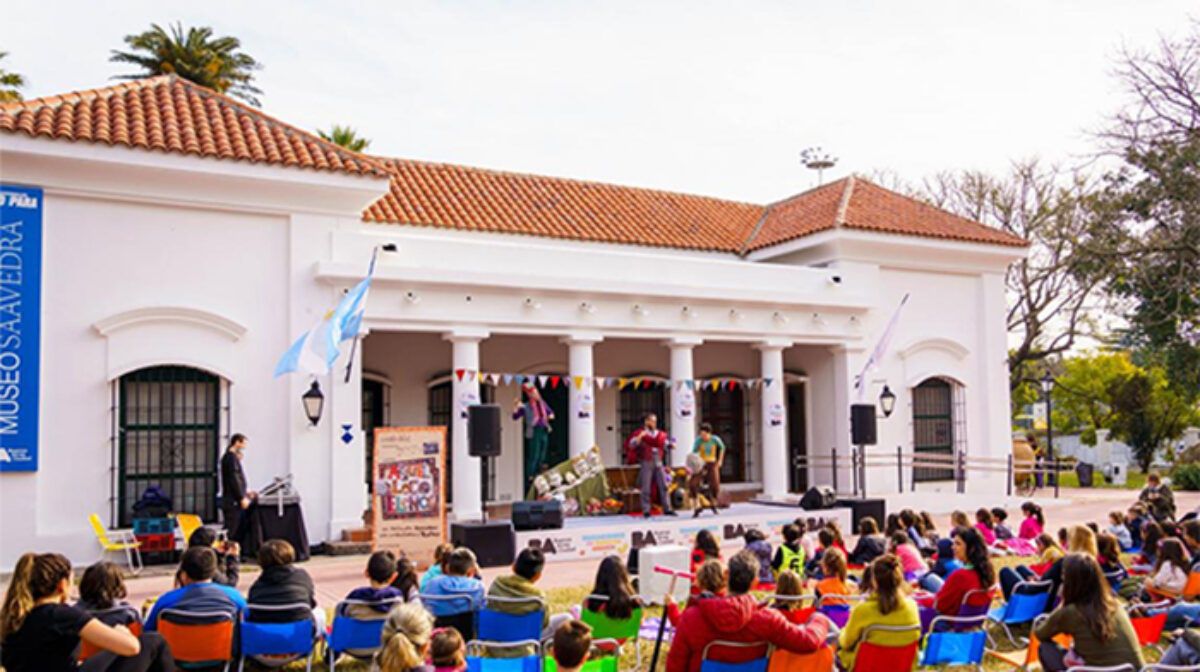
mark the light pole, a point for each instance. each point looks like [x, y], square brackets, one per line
[815, 158]
[1047, 388]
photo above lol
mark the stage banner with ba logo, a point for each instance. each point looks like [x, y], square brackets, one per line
[20, 325]
[410, 491]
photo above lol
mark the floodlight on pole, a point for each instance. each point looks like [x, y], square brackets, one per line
[815, 158]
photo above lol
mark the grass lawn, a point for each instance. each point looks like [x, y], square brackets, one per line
[562, 599]
[1136, 480]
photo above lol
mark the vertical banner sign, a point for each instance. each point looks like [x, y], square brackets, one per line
[410, 491]
[20, 325]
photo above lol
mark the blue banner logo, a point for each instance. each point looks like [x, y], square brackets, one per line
[20, 325]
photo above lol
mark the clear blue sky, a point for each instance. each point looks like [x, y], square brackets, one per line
[704, 97]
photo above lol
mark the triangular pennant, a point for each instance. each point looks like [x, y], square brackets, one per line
[508, 379]
[579, 382]
[767, 381]
[646, 383]
[554, 382]
[542, 380]
[715, 385]
[691, 384]
[621, 383]
[494, 378]
[460, 373]
[732, 384]
[471, 375]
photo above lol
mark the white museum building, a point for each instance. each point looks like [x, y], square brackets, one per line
[187, 240]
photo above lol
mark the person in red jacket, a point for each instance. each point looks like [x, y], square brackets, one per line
[739, 618]
[649, 446]
[977, 573]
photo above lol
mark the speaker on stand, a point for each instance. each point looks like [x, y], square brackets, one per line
[862, 433]
[483, 435]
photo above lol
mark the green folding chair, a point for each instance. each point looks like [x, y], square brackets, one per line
[605, 628]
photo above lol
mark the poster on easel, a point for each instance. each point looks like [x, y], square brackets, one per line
[409, 506]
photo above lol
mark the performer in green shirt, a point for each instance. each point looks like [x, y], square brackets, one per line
[711, 450]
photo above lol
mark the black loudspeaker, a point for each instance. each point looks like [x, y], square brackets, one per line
[494, 542]
[862, 424]
[861, 508]
[546, 515]
[818, 497]
[483, 430]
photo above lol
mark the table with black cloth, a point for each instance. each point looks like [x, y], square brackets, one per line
[263, 523]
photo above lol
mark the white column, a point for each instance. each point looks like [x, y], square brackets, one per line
[468, 498]
[582, 399]
[773, 420]
[682, 397]
[847, 363]
[343, 408]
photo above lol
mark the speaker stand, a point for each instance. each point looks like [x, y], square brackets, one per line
[483, 495]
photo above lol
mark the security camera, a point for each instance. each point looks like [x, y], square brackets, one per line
[688, 311]
[780, 317]
[412, 297]
[640, 310]
[389, 247]
[532, 303]
[587, 307]
[835, 279]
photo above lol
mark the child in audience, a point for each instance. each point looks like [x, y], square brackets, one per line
[522, 583]
[102, 593]
[930, 528]
[913, 564]
[836, 530]
[227, 551]
[572, 645]
[871, 544]
[807, 543]
[958, 519]
[1116, 527]
[705, 549]
[710, 582]
[916, 531]
[1063, 534]
[887, 605]
[1135, 520]
[1152, 533]
[986, 526]
[612, 582]
[788, 584]
[790, 554]
[756, 543]
[406, 579]
[1049, 550]
[813, 568]
[447, 651]
[441, 554]
[1034, 523]
[892, 525]
[946, 563]
[1170, 572]
[381, 573]
[833, 568]
[1002, 530]
[1109, 555]
[405, 640]
[460, 578]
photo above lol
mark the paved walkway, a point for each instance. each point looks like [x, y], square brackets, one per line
[336, 576]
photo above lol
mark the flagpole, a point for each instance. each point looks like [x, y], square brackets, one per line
[354, 345]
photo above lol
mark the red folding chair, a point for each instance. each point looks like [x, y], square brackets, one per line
[873, 657]
[1149, 629]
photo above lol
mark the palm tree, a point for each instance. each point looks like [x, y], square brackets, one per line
[214, 62]
[10, 83]
[345, 136]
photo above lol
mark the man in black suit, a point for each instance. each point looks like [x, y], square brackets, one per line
[235, 498]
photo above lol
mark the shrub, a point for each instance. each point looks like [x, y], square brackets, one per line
[1186, 476]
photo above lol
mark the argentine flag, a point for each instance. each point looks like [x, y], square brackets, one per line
[317, 350]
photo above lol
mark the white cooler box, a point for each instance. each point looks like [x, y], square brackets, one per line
[651, 584]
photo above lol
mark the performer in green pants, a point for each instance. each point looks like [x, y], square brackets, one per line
[537, 414]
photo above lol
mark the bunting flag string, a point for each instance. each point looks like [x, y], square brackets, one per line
[552, 381]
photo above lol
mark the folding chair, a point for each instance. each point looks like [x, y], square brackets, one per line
[1112, 668]
[1191, 591]
[976, 603]
[357, 638]
[741, 652]
[605, 628]
[87, 649]
[1149, 629]
[298, 638]
[800, 613]
[463, 621]
[608, 661]
[123, 541]
[1159, 667]
[872, 657]
[838, 613]
[1025, 659]
[823, 659]
[960, 643]
[478, 659]
[1022, 607]
[499, 626]
[198, 639]
[189, 523]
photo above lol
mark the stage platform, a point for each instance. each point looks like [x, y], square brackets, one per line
[597, 536]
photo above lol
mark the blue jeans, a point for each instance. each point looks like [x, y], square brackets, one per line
[1179, 615]
[1181, 653]
[1009, 578]
[931, 582]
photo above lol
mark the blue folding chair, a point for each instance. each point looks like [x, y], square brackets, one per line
[480, 656]
[838, 613]
[1028, 601]
[499, 626]
[740, 650]
[960, 641]
[357, 638]
[298, 638]
[463, 620]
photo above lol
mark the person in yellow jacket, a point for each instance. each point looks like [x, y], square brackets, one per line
[887, 605]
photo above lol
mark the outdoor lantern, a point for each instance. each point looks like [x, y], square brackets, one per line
[887, 401]
[1047, 383]
[313, 402]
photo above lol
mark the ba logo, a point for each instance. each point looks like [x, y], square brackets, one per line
[544, 545]
[4, 456]
[643, 539]
[735, 531]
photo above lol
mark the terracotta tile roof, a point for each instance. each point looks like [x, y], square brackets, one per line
[474, 199]
[171, 114]
[855, 203]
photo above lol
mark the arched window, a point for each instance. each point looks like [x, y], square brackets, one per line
[168, 436]
[937, 425]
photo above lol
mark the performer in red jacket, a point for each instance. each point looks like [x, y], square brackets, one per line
[738, 618]
[649, 446]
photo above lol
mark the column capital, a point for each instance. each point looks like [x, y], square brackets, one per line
[466, 335]
[581, 338]
[774, 344]
[683, 342]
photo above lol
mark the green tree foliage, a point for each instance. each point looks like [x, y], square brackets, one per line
[345, 136]
[11, 83]
[1083, 392]
[195, 55]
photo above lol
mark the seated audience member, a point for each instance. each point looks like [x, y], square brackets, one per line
[704, 549]
[1101, 632]
[612, 582]
[986, 526]
[282, 582]
[40, 632]
[441, 555]
[102, 594]
[1152, 533]
[1062, 537]
[1048, 550]
[1034, 523]
[738, 618]
[790, 554]
[572, 645]
[1117, 528]
[756, 543]
[227, 551]
[914, 566]
[381, 572]
[1170, 572]
[1191, 539]
[1108, 553]
[892, 525]
[522, 583]
[710, 581]
[788, 584]
[447, 651]
[807, 543]
[871, 544]
[1002, 530]
[1157, 497]
[1184, 652]
[887, 605]
[812, 568]
[958, 519]
[459, 580]
[930, 528]
[836, 530]
[406, 580]
[1135, 518]
[1081, 540]
[915, 528]
[945, 563]
[198, 567]
[405, 640]
[977, 573]
[833, 568]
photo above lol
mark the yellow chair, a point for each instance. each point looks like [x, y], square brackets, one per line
[189, 523]
[124, 541]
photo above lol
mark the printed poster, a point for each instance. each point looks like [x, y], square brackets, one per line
[410, 491]
[20, 325]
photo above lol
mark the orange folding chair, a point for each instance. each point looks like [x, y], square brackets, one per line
[87, 650]
[198, 638]
[1027, 658]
